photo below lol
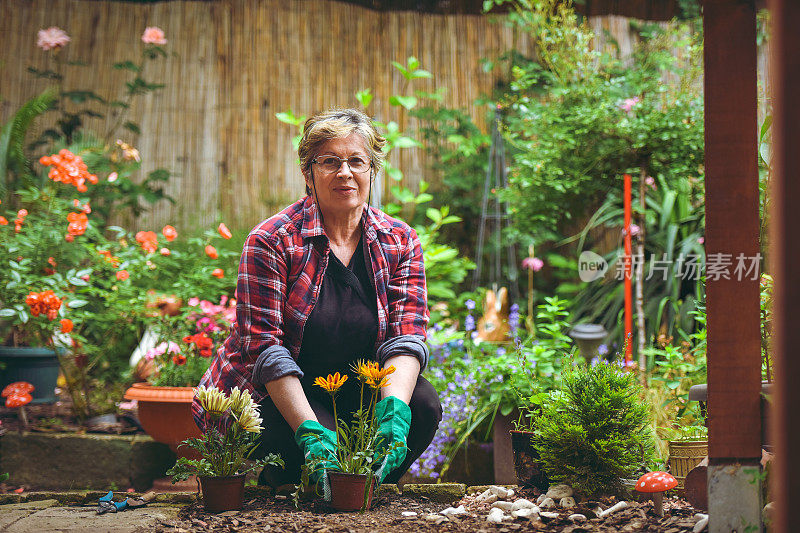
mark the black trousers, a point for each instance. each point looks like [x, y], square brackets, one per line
[278, 437]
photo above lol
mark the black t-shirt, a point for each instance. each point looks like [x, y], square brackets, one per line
[343, 325]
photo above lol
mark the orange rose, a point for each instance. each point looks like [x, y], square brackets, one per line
[66, 325]
[211, 252]
[179, 359]
[224, 231]
[169, 233]
[218, 273]
[3, 221]
[165, 251]
[122, 275]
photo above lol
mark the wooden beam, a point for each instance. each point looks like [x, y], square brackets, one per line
[732, 229]
[785, 258]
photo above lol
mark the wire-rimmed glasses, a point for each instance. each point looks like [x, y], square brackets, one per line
[332, 163]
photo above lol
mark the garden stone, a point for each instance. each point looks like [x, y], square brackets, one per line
[409, 514]
[701, 524]
[540, 499]
[491, 498]
[453, 510]
[505, 506]
[548, 515]
[559, 491]
[577, 518]
[526, 512]
[440, 492]
[568, 502]
[547, 503]
[495, 516]
[522, 503]
[483, 495]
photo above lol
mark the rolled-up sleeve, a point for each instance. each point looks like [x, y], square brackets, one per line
[261, 291]
[408, 306]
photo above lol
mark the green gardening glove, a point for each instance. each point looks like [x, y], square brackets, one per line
[393, 417]
[317, 442]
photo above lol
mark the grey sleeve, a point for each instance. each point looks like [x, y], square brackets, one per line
[273, 363]
[404, 345]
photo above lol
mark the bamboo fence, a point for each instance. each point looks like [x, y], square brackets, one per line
[232, 65]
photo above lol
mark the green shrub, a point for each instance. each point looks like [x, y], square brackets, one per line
[594, 430]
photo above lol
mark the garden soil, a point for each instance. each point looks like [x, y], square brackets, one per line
[279, 515]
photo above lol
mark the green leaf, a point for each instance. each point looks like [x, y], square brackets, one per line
[364, 96]
[132, 126]
[406, 142]
[127, 65]
[433, 214]
[408, 102]
[72, 304]
[7, 312]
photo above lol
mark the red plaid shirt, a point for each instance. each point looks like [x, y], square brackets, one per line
[280, 276]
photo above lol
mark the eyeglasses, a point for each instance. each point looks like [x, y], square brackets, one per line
[331, 163]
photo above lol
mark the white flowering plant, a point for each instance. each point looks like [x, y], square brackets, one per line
[231, 428]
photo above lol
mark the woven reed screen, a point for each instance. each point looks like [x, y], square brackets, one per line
[233, 64]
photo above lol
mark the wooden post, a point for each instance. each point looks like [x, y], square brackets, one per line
[732, 230]
[784, 260]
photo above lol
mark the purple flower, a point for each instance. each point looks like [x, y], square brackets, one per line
[469, 323]
[470, 304]
[635, 230]
[437, 327]
[501, 351]
[602, 349]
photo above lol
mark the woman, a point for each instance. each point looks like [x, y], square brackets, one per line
[327, 281]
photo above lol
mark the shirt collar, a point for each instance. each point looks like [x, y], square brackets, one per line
[371, 218]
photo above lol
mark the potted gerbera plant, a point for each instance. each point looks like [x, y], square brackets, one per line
[358, 451]
[231, 426]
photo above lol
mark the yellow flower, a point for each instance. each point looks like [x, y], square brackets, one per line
[363, 369]
[249, 421]
[241, 400]
[378, 383]
[332, 383]
[213, 400]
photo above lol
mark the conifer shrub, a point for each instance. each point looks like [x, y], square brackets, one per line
[594, 430]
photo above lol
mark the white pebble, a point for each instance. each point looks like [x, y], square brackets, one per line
[500, 492]
[505, 506]
[491, 498]
[483, 495]
[613, 509]
[700, 525]
[526, 512]
[548, 515]
[577, 518]
[522, 503]
[495, 516]
[559, 491]
[438, 519]
[547, 503]
[453, 510]
[510, 493]
[568, 502]
[540, 499]
[409, 514]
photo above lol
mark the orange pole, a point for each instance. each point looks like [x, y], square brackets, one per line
[628, 261]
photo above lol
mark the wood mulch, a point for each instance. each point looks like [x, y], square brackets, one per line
[279, 515]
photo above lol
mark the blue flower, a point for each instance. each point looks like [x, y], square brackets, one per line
[602, 349]
[470, 304]
[501, 351]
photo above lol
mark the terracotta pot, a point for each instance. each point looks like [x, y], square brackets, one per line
[347, 491]
[222, 493]
[526, 461]
[684, 455]
[166, 414]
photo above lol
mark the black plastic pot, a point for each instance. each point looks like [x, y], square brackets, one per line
[222, 493]
[37, 366]
[526, 461]
[348, 491]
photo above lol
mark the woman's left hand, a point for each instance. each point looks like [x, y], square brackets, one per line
[393, 417]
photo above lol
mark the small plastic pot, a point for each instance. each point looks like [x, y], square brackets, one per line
[348, 490]
[222, 493]
[526, 461]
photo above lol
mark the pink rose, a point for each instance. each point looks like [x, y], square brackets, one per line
[52, 38]
[635, 230]
[650, 182]
[153, 35]
[532, 263]
[628, 104]
[701, 240]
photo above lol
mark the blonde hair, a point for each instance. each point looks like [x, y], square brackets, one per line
[335, 124]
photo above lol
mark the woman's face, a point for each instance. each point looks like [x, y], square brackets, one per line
[341, 191]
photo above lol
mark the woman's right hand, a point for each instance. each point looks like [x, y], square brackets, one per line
[317, 442]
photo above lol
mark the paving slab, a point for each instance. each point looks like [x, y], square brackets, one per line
[47, 515]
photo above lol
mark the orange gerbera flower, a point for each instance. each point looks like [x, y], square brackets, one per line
[211, 252]
[218, 273]
[332, 383]
[66, 325]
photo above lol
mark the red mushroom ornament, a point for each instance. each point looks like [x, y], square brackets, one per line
[655, 484]
[19, 399]
[18, 387]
